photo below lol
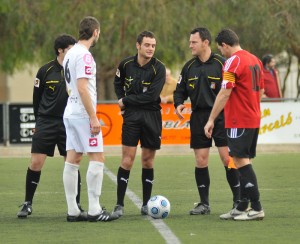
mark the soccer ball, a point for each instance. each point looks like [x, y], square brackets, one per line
[159, 207]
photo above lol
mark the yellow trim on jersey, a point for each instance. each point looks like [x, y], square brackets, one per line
[213, 78]
[191, 63]
[154, 69]
[49, 68]
[128, 62]
[219, 61]
[229, 77]
[52, 81]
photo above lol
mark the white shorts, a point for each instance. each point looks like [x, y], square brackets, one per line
[79, 136]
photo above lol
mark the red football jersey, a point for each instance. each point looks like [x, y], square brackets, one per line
[242, 110]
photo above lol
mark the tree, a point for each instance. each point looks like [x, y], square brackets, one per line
[267, 26]
[30, 27]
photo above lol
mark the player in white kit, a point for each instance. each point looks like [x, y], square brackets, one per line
[82, 125]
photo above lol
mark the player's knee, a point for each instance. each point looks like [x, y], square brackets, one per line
[201, 162]
[37, 161]
[99, 157]
[36, 165]
[126, 164]
[147, 162]
[127, 161]
[147, 165]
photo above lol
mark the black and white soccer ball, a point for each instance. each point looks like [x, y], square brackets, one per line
[159, 207]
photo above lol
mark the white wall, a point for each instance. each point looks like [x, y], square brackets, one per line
[20, 85]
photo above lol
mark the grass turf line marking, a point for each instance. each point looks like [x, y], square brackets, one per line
[159, 224]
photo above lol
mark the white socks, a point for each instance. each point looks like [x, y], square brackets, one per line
[94, 178]
[70, 179]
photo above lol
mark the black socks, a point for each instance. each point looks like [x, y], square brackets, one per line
[122, 178]
[147, 181]
[203, 183]
[249, 188]
[233, 179]
[32, 181]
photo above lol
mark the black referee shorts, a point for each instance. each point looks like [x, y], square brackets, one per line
[242, 142]
[142, 125]
[48, 133]
[198, 138]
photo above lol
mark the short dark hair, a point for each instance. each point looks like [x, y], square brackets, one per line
[87, 27]
[63, 41]
[143, 34]
[266, 59]
[203, 33]
[228, 37]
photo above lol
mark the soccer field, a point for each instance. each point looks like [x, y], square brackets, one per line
[278, 179]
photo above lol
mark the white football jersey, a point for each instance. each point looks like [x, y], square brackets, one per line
[79, 63]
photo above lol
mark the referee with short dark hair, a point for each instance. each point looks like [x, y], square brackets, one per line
[138, 83]
[200, 80]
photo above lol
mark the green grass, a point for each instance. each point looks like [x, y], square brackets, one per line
[278, 179]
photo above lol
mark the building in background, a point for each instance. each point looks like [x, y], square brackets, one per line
[18, 87]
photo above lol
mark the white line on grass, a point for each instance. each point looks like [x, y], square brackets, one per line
[159, 224]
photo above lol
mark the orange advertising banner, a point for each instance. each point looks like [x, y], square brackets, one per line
[175, 131]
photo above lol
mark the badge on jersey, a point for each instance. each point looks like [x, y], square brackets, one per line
[93, 142]
[88, 59]
[37, 82]
[179, 79]
[213, 85]
[88, 70]
[118, 73]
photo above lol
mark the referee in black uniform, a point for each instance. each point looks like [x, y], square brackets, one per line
[49, 102]
[200, 80]
[138, 82]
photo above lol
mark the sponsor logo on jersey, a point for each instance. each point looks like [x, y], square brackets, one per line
[37, 82]
[88, 70]
[118, 73]
[88, 59]
[93, 142]
[192, 85]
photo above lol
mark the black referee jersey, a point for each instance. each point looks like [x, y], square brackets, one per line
[201, 82]
[49, 93]
[140, 86]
